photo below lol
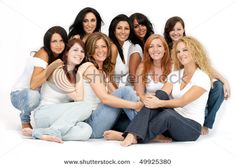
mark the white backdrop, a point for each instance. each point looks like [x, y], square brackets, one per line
[24, 22]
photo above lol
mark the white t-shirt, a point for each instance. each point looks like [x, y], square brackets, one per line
[121, 69]
[152, 86]
[24, 80]
[196, 109]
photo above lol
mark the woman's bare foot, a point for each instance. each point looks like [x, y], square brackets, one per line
[113, 135]
[26, 125]
[130, 139]
[51, 138]
[162, 139]
[27, 131]
[204, 131]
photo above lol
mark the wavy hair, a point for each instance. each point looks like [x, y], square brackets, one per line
[90, 46]
[198, 53]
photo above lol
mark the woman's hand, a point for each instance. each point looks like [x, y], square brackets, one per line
[152, 101]
[139, 106]
[226, 90]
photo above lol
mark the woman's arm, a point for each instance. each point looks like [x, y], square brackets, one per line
[194, 93]
[40, 75]
[134, 61]
[218, 76]
[114, 55]
[100, 91]
[139, 86]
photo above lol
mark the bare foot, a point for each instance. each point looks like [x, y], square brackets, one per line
[27, 131]
[113, 135]
[204, 131]
[130, 139]
[26, 125]
[162, 139]
[51, 138]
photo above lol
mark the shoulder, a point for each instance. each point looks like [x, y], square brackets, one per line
[42, 54]
[135, 48]
[201, 75]
[113, 47]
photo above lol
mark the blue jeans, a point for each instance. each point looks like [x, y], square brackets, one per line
[215, 99]
[25, 100]
[151, 122]
[104, 117]
[63, 120]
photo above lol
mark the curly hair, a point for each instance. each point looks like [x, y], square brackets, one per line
[198, 53]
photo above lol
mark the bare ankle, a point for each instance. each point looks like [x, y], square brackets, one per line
[26, 125]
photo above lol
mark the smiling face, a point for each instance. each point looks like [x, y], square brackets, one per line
[177, 32]
[75, 55]
[101, 52]
[139, 29]
[156, 49]
[89, 23]
[183, 54]
[122, 31]
[57, 45]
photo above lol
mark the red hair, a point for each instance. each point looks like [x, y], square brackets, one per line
[166, 63]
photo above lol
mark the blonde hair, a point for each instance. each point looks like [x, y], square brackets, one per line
[198, 53]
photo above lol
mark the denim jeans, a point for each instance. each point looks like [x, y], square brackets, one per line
[152, 122]
[25, 100]
[215, 99]
[104, 117]
[63, 120]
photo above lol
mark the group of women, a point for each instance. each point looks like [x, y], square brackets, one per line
[79, 86]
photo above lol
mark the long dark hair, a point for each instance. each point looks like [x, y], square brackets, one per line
[142, 20]
[170, 23]
[112, 35]
[77, 26]
[47, 40]
[71, 75]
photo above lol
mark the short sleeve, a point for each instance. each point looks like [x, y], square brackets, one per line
[202, 80]
[37, 62]
[135, 48]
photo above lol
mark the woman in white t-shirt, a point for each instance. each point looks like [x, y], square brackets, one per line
[25, 94]
[180, 118]
[119, 33]
[150, 76]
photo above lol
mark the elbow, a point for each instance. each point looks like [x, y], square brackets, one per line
[33, 86]
[105, 100]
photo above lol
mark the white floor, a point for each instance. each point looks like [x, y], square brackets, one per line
[218, 148]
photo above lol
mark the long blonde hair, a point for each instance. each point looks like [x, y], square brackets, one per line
[198, 53]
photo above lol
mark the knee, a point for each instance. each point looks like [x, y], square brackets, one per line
[218, 86]
[87, 132]
[162, 95]
[34, 98]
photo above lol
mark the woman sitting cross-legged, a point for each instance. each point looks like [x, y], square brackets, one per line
[180, 118]
[58, 119]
